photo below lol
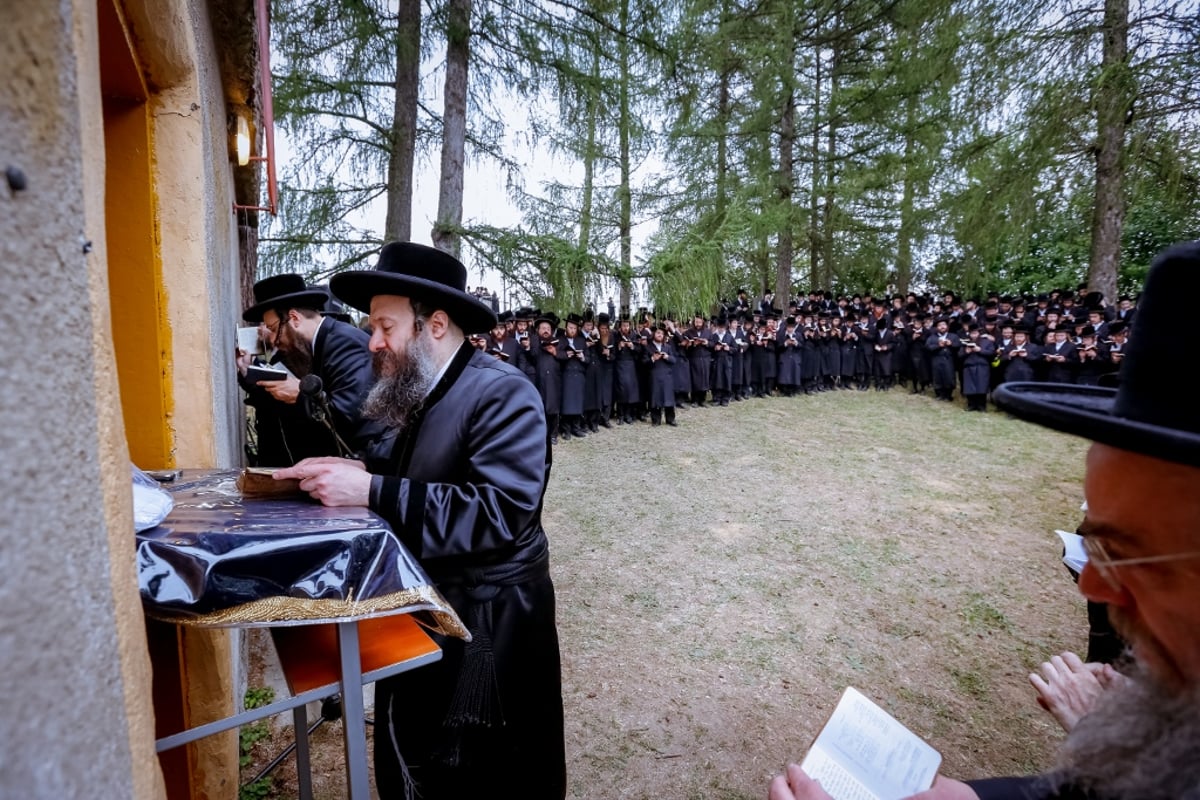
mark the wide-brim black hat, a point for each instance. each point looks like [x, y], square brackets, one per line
[421, 273]
[284, 291]
[1148, 413]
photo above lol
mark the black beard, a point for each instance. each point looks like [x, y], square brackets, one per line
[1141, 741]
[295, 352]
[403, 382]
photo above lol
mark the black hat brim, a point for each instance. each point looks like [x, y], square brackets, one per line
[312, 298]
[358, 287]
[1087, 411]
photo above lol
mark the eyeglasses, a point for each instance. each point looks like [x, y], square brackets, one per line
[1105, 565]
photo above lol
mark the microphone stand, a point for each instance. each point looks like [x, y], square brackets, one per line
[313, 388]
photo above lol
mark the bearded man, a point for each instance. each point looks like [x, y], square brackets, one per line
[288, 314]
[1142, 536]
[459, 475]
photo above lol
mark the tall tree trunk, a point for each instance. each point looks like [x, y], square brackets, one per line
[726, 67]
[1114, 97]
[625, 224]
[397, 225]
[786, 180]
[454, 128]
[827, 209]
[589, 176]
[908, 224]
[814, 231]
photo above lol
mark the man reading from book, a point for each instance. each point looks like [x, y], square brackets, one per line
[1142, 537]
[458, 470]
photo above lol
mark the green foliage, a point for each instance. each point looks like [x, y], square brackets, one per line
[941, 143]
[260, 789]
[255, 732]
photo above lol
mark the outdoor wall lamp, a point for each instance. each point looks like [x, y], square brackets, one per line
[243, 141]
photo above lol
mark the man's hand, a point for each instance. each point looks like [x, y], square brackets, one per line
[285, 391]
[794, 784]
[243, 360]
[332, 481]
[1068, 688]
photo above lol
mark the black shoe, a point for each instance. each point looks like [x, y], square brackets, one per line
[655, 423]
[578, 432]
[594, 427]
[554, 439]
[566, 435]
[673, 423]
[605, 423]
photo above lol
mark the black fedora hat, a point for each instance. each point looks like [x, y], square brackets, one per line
[419, 272]
[1148, 413]
[284, 291]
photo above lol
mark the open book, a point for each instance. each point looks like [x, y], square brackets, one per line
[863, 753]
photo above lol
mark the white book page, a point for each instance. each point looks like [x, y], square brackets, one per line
[888, 760]
[836, 781]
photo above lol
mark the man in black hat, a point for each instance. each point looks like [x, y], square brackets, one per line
[289, 315]
[459, 473]
[1142, 538]
[573, 349]
[943, 348]
[626, 384]
[660, 355]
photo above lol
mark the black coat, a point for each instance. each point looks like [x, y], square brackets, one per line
[462, 488]
[343, 362]
[977, 366]
[788, 344]
[942, 359]
[699, 359]
[722, 360]
[662, 375]
[681, 368]
[1019, 367]
[572, 352]
[1060, 371]
[548, 375]
[625, 369]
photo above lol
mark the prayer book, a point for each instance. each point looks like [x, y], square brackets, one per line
[863, 753]
[1074, 556]
[259, 482]
[259, 372]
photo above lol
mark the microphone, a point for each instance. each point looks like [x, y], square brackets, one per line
[313, 389]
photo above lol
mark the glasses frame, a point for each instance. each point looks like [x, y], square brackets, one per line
[1105, 565]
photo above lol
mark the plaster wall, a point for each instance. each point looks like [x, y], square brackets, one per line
[198, 236]
[73, 664]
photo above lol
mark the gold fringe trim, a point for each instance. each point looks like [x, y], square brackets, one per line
[279, 610]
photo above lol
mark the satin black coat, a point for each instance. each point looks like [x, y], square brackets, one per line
[462, 488]
[977, 366]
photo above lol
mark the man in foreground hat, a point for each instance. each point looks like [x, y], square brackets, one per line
[459, 473]
[1142, 536]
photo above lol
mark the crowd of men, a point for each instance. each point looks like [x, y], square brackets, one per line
[592, 371]
[451, 447]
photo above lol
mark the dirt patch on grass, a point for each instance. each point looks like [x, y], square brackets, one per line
[720, 583]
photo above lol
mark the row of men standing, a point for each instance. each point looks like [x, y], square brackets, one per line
[589, 372]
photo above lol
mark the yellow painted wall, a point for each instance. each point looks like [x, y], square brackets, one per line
[141, 334]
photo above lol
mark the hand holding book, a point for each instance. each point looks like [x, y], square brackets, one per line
[863, 753]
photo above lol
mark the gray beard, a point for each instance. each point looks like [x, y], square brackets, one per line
[1141, 741]
[404, 381]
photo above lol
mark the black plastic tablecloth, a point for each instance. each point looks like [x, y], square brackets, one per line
[221, 559]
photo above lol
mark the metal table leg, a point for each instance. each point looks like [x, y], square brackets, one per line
[303, 765]
[353, 719]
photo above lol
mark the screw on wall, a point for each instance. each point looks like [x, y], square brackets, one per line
[16, 179]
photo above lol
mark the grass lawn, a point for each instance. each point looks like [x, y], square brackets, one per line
[721, 582]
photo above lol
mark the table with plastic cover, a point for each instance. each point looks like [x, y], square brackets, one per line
[346, 603]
